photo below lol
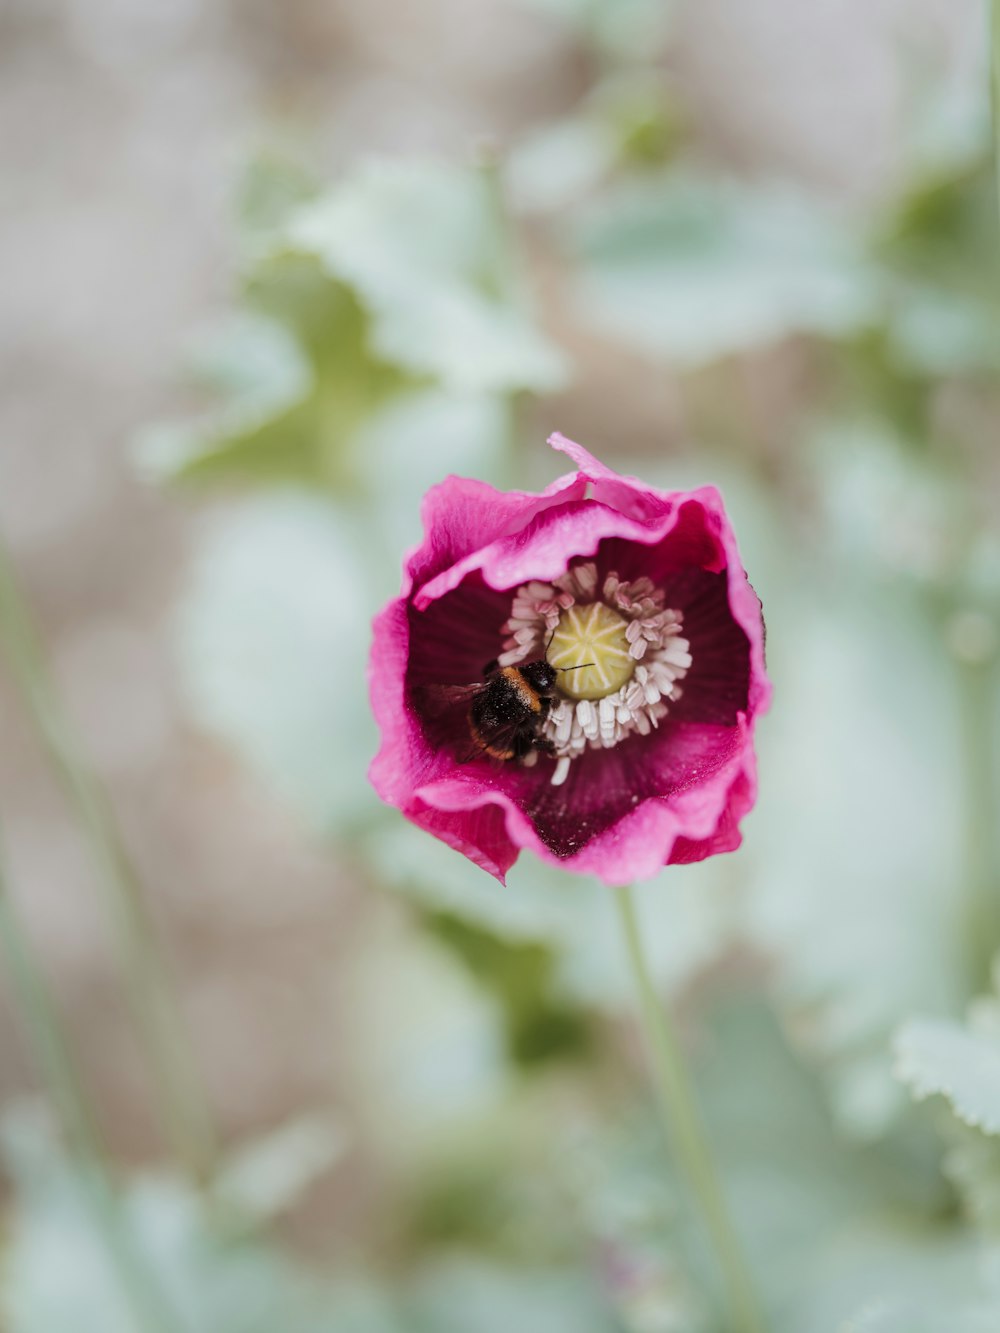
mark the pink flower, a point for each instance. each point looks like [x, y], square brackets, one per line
[642, 757]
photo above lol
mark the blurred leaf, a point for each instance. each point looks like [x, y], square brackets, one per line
[266, 1176]
[496, 1180]
[933, 1056]
[826, 1222]
[634, 1207]
[559, 162]
[626, 120]
[962, 1062]
[306, 381]
[274, 185]
[890, 510]
[274, 631]
[947, 126]
[467, 1139]
[273, 641]
[425, 247]
[429, 1049]
[852, 851]
[693, 269]
[625, 29]
[936, 331]
[467, 1295]
[408, 446]
[943, 232]
[262, 372]
[972, 1164]
[942, 268]
[828, 1225]
[58, 1278]
[684, 914]
[644, 115]
[400, 282]
[521, 976]
[907, 1315]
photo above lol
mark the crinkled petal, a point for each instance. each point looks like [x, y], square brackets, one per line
[405, 758]
[479, 833]
[461, 515]
[627, 494]
[691, 822]
[543, 549]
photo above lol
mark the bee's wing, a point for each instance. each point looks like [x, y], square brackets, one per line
[437, 699]
[493, 746]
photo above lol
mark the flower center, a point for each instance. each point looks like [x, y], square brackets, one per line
[628, 648]
[593, 634]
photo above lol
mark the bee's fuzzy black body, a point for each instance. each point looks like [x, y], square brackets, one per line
[507, 710]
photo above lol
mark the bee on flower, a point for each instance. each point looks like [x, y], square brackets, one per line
[576, 673]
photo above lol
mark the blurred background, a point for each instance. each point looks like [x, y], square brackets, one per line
[271, 269]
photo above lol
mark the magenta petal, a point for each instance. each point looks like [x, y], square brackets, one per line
[626, 494]
[574, 529]
[460, 516]
[406, 758]
[478, 832]
[685, 824]
[675, 795]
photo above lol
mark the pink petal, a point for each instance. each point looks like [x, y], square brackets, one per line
[461, 515]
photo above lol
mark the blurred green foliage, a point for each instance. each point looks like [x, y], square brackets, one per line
[692, 269]
[538, 1027]
[866, 532]
[386, 332]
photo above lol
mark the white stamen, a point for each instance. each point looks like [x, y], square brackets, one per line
[561, 771]
[564, 724]
[607, 711]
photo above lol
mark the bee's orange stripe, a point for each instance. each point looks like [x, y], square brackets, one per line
[528, 696]
[486, 747]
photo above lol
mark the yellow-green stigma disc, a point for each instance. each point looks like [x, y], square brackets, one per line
[596, 634]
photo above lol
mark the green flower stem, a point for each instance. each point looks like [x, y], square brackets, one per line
[995, 71]
[977, 703]
[55, 1064]
[684, 1131]
[177, 1087]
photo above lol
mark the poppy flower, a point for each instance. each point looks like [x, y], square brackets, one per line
[643, 755]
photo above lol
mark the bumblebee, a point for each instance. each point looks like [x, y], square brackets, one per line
[506, 710]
